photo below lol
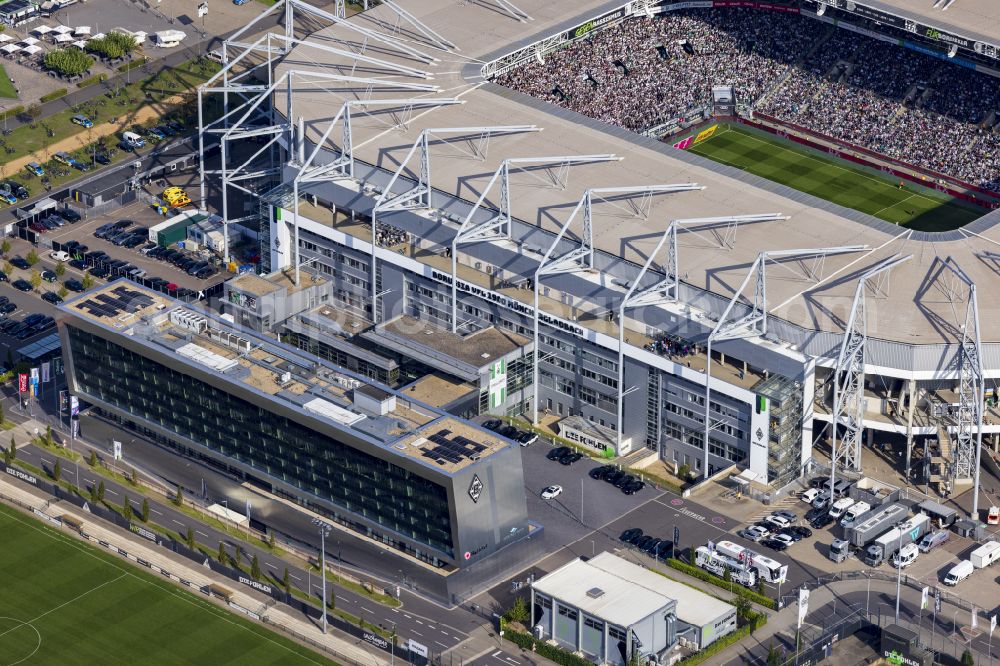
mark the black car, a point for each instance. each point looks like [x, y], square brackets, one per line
[170, 255]
[630, 535]
[664, 548]
[554, 454]
[633, 487]
[813, 514]
[21, 285]
[74, 285]
[3, 277]
[20, 262]
[650, 547]
[52, 297]
[9, 324]
[135, 241]
[613, 475]
[33, 319]
[102, 158]
[49, 276]
[17, 189]
[7, 308]
[570, 458]
[803, 531]
[792, 533]
[509, 431]
[197, 266]
[123, 224]
[821, 521]
[100, 272]
[624, 481]
[641, 542]
[599, 472]
[78, 264]
[818, 481]
[70, 215]
[774, 544]
[492, 424]
[17, 329]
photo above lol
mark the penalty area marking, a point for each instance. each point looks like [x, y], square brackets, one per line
[17, 625]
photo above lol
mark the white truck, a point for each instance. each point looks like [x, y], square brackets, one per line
[855, 511]
[985, 555]
[840, 507]
[886, 545]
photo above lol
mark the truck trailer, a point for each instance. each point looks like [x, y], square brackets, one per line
[985, 555]
[886, 545]
[868, 527]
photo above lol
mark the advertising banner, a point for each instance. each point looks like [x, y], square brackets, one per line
[45, 372]
[594, 24]
[705, 134]
[74, 405]
[22, 382]
[684, 143]
[803, 605]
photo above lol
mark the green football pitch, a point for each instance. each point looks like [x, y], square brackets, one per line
[836, 180]
[65, 602]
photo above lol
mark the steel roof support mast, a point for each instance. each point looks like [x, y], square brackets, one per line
[663, 290]
[581, 258]
[849, 374]
[754, 323]
[497, 227]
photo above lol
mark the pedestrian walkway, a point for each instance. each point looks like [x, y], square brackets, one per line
[344, 648]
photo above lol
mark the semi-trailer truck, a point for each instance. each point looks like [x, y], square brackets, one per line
[886, 545]
[868, 527]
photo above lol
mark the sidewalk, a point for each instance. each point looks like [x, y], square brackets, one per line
[180, 567]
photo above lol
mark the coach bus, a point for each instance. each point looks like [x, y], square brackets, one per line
[717, 563]
[770, 570]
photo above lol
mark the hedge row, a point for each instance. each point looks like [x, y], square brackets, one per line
[55, 94]
[736, 588]
[10, 113]
[92, 80]
[558, 655]
[756, 621]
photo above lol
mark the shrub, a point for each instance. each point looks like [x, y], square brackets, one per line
[701, 574]
[68, 62]
[758, 620]
[112, 45]
[55, 94]
[550, 652]
[91, 80]
[10, 113]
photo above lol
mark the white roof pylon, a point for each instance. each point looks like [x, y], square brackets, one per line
[387, 64]
[422, 28]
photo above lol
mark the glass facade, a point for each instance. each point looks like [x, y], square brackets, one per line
[360, 483]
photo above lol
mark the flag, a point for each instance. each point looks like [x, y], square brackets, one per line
[924, 594]
[803, 605]
[45, 372]
[993, 624]
[22, 382]
[975, 617]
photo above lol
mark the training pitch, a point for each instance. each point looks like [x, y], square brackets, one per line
[64, 602]
[836, 180]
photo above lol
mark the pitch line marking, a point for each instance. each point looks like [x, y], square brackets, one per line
[20, 624]
[66, 603]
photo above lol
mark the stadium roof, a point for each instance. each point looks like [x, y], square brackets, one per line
[918, 304]
[979, 19]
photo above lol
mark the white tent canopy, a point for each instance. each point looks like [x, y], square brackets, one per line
[4, 38]
[63, 38]
[62, 29]
[97, 36]
[29, 41]
[41, 30]
[80, 44]
[32, 50]
[10, 48]
[82, 30]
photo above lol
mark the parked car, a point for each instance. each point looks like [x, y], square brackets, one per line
[7, 308]
[786, 514]
[70, 215]
[933, 540]
[100, 272]
[524, 439]
[20, 262]
[35, 168]
[551, 492]
[598, 473]
[209, 271]
[3, 277]
[558, 452]
[49, 276]
[59, 255]
[779, 522]
[7, 196]
[633, 487]
[492, 424]
[52, 297]
[102, 158]
[21, 285]
[822, 500]
[774, 543]
[808, 496]
[74, 285]
[570, 458]
[630, 535]
[82, 121]
[19, 190]
[755, 533]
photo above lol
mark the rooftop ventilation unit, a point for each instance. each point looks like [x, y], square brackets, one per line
[595, 593]
[188, 320]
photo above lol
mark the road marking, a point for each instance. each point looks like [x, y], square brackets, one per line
[414, 631]
[111, 492]
[394, 610]
[512, 660]
[45, 460]
[366, 610]
[90, 481]
[407, 616]
[441, 644]
[342, 598]
[155, 511]
[419, 622]
[201, 533]
[181, 524]
[444, 632]
[291, 575]
[495, 654]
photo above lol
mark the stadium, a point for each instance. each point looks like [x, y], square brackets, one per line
[715, 230]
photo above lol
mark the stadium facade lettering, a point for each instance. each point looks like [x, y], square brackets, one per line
[22, 475]
[508, 302]
[256, 584]
[596, 23]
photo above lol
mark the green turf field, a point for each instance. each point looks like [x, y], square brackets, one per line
[64, 602]
[836, 180]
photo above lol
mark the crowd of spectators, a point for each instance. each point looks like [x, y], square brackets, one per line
[389, 235]
[903, 104]
[672, 346]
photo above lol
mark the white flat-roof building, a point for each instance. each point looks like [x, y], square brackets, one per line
[607, 608]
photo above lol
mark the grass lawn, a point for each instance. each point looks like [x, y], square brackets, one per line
[119, 103]
[837, 180]
[70, 603]
[6, 87]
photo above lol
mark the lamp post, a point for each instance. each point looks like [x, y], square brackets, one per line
[899, 568]
[324, 530]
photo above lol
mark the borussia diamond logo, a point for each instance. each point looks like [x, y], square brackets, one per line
[760, 434]
[475, 488]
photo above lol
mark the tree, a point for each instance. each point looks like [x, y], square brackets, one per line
[683, 471]
[743, 608]
[286, 582]
[100, 492]
[179, 496]
[3, 417]
[967, 658]
[270, 541]
[35, 279]
[222, 553]
[93, 494]
[60, 269]
[145, 510]
[189, 538]
[773, 655]
[57, 470]
[87, 281]
[67, 62]
[8, 267]
[5, 248]
[12, 449]
[760, 586]
[112, 45]
[48, 436]
[255, 568]
[518, 612]
[32, 257]
[34, 111]
[93, 458]
[239, 556]
[127, 509]
[133, 478]
[727, 575]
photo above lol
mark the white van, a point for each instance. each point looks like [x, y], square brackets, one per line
[133, 140]
[840, 507]
[809, 495]
[906, 556]
[857, 509]
[958, 573]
